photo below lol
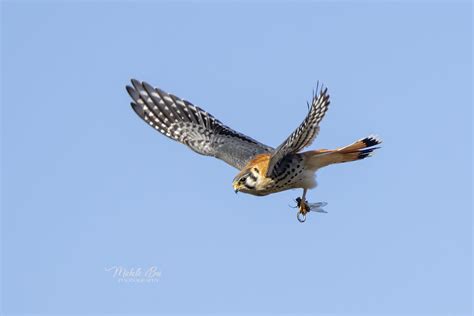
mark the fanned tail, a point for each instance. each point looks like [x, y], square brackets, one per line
[360, 149]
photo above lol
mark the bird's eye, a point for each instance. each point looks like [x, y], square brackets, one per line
[242, 180]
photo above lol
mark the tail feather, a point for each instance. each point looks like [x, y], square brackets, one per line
[360, 149]
[366, 142]
[367, 152]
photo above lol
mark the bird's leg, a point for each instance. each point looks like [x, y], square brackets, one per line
[302, 206]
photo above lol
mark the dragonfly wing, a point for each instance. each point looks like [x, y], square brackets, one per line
[319, 210]
[317, 207]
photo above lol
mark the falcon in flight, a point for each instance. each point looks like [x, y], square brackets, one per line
[262, 169]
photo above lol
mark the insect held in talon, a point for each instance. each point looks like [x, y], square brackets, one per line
[305, 207]
[262, 169]
[302, 205]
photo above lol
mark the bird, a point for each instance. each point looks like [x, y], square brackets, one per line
[263, 170]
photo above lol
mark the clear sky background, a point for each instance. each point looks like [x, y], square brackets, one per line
[86, 185]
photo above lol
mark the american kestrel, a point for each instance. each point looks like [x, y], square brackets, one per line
[263, 169]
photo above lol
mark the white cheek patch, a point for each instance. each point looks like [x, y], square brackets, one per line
[250, 182]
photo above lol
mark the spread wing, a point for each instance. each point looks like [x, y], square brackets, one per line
[188, 124]
[304, 135]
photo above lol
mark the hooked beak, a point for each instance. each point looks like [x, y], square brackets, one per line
[236, 188]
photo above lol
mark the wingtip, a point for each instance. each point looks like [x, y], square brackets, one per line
[132, 93]
[137, 85]
[148, 87]
[129, 88]
[137, 109]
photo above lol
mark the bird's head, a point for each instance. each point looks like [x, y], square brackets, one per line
[247, 181]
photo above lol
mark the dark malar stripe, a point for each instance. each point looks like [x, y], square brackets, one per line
[249, 187]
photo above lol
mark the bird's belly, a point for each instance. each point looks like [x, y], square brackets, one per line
[307, 180]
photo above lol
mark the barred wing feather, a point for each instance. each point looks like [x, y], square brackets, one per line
[189, 124]
[304, 135]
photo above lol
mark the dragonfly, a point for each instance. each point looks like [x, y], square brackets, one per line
[308, 207]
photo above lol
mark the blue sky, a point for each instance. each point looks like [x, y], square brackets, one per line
[87, 186]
